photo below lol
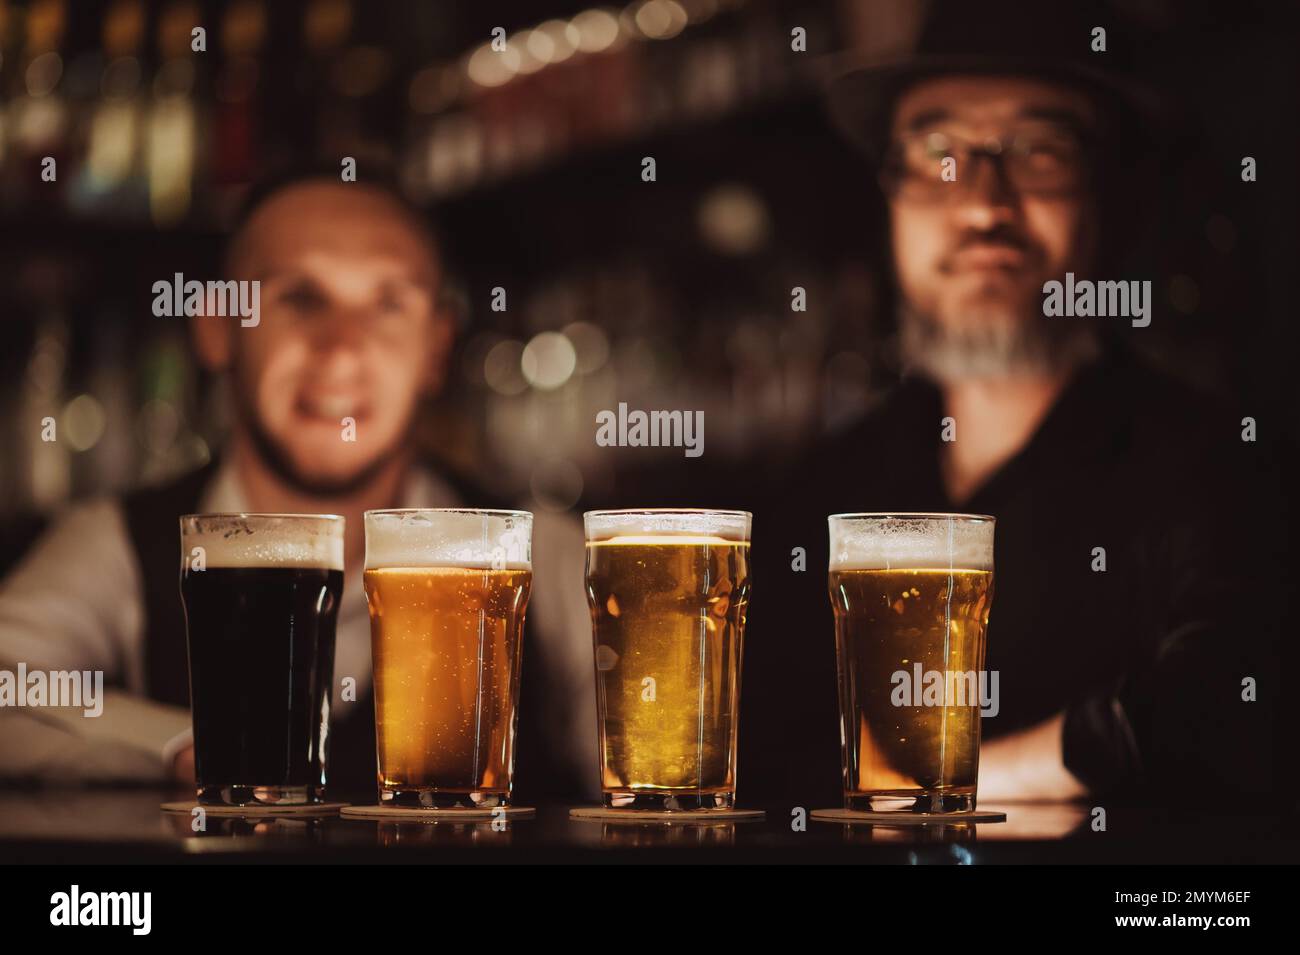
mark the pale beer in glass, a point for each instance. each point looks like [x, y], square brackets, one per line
[668, 591]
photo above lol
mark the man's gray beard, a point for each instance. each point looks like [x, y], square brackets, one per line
[998, 349]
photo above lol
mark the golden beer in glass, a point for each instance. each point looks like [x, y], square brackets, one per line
[668, 591]
[911, 594]
[447, 590]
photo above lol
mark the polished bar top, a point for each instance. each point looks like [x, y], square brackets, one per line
[109, 826]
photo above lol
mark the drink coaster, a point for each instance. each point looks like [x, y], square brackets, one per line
[258, 809]
[420, 814]
[696, 816]
[907, 818]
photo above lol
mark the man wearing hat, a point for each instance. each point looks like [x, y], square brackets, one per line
[1122, 633]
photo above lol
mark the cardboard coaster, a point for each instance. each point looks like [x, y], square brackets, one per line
[695, 816]
[853, 816]
[258, 809]
[437, 815]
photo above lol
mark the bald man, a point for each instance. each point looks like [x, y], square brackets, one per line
[351, 325]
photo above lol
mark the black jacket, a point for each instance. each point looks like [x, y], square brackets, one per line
[1147, 659]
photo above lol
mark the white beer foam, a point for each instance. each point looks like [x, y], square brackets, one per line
[449, 537]
[911, 542]
[264, 540]
[731, 526]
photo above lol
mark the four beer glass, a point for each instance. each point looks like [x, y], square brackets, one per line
[668, 589]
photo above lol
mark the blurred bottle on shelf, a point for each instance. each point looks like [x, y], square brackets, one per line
[45, 470]
[327, 26]
[37, 123]
[176, 126]
[167, 437]
[111, 178]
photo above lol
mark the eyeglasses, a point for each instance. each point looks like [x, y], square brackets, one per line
[1039, 160]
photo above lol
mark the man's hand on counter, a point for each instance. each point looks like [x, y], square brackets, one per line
[183, 766]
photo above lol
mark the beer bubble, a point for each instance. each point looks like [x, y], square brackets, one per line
[715, 526]
[911, 541]
[449, 537]
[606, 658]
[266, 540]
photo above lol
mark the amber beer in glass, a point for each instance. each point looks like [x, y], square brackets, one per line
[911, 594]
[447, 590]
[668, 591]
[261, 596]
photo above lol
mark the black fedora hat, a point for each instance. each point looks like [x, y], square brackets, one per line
[1049, 40]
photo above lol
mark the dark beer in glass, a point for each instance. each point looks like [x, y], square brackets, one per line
[261, 595]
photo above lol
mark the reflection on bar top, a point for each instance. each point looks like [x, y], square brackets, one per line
[666, 540]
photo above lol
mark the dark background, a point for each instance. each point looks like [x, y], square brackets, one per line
[670, 295]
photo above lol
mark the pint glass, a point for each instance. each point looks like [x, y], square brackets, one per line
[261, 595]
[447, 590]
[911, 594]
[668, 591]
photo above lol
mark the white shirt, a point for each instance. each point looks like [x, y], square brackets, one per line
[76, 602]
